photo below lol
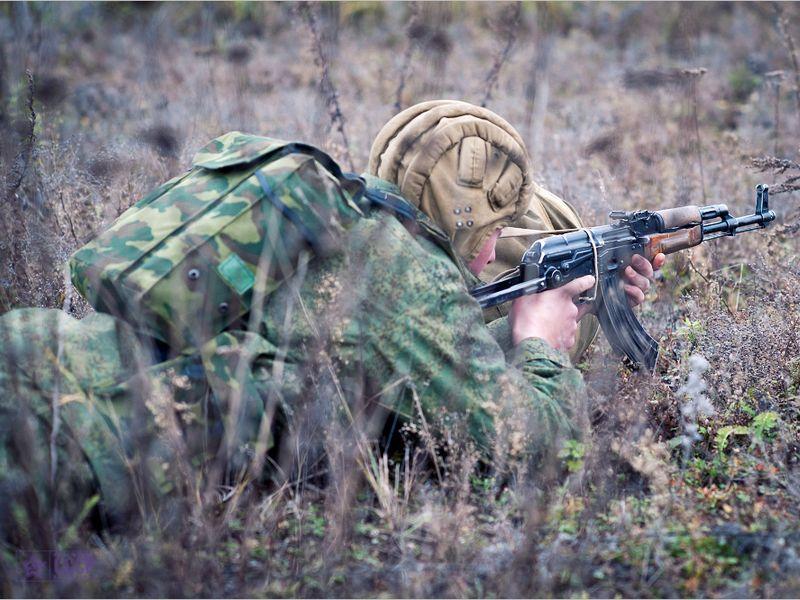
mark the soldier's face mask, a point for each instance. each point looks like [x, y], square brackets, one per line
[462, 165]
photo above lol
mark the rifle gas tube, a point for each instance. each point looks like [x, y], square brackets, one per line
[606, 250]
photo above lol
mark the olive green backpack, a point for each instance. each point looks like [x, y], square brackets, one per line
[181, 263]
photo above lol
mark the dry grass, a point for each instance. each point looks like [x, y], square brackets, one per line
[665, 499]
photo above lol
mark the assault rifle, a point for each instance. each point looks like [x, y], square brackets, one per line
[606, 250]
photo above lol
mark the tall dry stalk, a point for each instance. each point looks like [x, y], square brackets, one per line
[775, 78]
[14, 242]
[326, 85]
[433, 35]
[23, 158]
[3, 85]
[537, 91]
[411, 45]
[239, 55]
[508, 28]
[788, 41]
[693, 76]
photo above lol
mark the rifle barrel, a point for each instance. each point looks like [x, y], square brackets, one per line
[732, 225]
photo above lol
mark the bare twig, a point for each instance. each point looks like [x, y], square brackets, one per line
[738, 286]
[411, 45]
[778, 166]
[694, 75]
[24, 156]
[68, 217]
[708, 281]
[509, 25]
[427, 436]
[326, 85]
[788, 41]
[775, 78]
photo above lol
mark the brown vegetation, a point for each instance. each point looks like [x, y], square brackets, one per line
[689, 486]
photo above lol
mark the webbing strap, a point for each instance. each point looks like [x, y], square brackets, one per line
[390, 202]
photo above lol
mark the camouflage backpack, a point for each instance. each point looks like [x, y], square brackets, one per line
[181, 263]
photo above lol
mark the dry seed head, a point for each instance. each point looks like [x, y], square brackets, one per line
[773, 163]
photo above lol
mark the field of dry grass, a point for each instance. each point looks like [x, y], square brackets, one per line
[690, 483]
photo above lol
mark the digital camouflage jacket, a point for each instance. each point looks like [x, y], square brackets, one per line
[386, 326]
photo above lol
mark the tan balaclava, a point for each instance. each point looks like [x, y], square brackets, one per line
[462, 165]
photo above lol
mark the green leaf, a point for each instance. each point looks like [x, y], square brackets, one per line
[675, 442]
[764, 425]
[725, 432]
[572, 454]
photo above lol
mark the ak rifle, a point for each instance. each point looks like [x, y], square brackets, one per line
[606, 250]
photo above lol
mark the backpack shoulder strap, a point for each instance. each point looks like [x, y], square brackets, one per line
[387, 195]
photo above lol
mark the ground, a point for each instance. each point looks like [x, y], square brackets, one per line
[689, 485]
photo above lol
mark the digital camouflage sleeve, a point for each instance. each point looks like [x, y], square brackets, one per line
[396, 322]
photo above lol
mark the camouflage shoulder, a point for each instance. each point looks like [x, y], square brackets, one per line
[439, 260]
[435, 239]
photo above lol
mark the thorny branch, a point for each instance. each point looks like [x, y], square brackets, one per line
[326, 85]
[24, 156]
[509, 26]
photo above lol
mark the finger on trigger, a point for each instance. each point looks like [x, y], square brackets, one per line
[573, 288]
